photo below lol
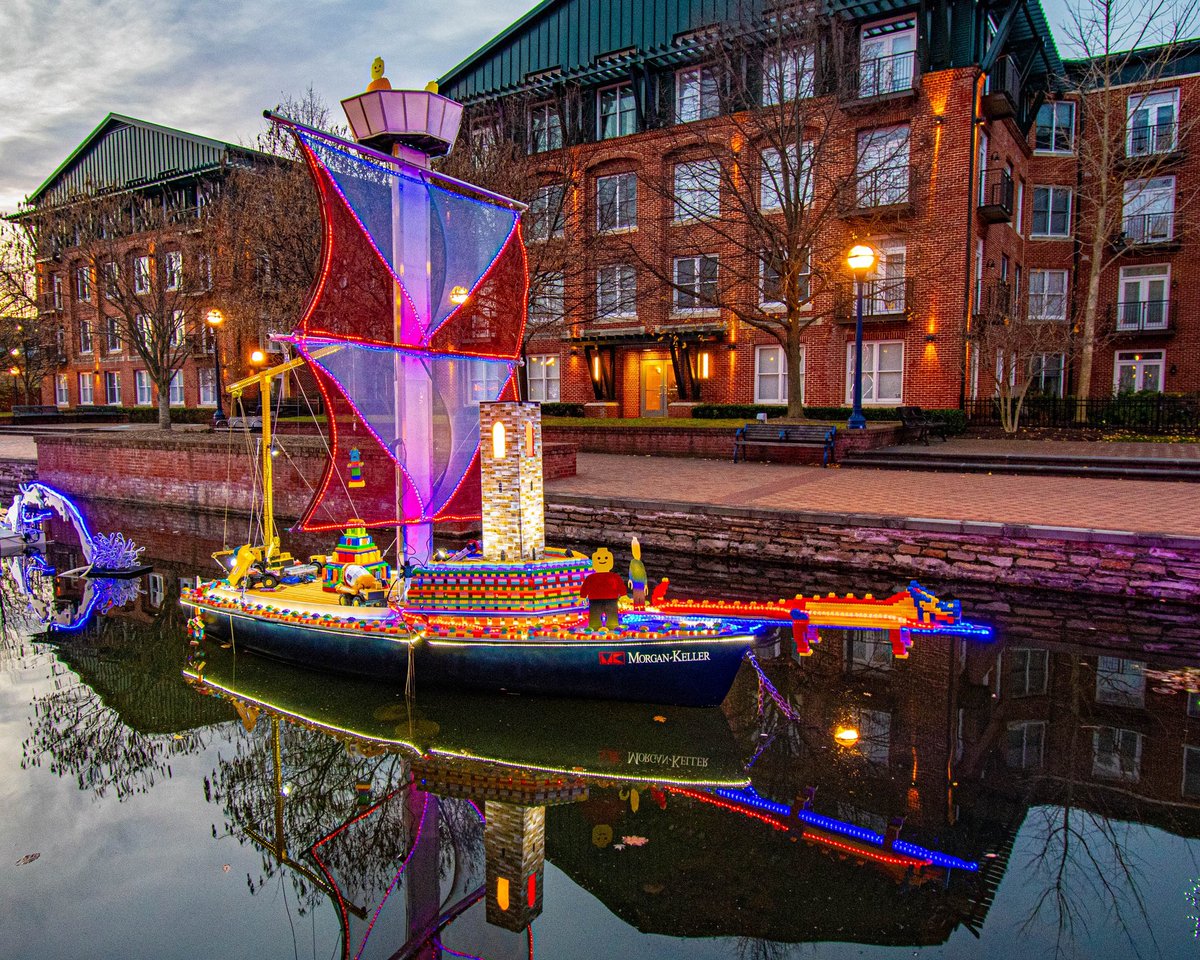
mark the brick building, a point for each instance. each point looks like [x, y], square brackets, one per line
[178, 171]
[935, 136]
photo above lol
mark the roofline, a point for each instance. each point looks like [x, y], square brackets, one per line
[498, 39]
[132, 121]
[1190, 45]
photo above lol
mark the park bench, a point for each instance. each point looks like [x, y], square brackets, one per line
[785, 435]
[35, 411]
[918, 426]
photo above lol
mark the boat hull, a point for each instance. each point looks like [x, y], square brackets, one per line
[683, 671]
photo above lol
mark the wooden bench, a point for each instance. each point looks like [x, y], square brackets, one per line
[918, 426]
[32, 411]
[785, 435]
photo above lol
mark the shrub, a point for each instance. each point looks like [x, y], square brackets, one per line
[736, 411]
[562, 409]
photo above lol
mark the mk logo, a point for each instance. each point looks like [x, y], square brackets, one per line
[612, 658]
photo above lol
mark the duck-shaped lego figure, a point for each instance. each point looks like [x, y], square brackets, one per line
[637, 576]
[378, 80]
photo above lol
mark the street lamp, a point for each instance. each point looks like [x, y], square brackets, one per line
[214, 319]
[861, 260]
[258, 357]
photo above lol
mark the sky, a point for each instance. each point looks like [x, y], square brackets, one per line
[210, 67]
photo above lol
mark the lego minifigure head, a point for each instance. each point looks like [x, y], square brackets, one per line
[636, 548]
[602, 835]
[602, 560]
[377, 68]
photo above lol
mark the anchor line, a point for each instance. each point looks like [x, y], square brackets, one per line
[764, 684]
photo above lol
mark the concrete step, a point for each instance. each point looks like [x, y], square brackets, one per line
[1110, 467]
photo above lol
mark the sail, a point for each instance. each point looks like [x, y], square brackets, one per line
[416, 318]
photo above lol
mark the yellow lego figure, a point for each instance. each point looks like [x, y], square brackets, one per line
[378, 80]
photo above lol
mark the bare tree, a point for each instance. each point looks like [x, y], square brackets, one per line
[520, 147]
[1032, 343]
[1127, 147]
[29, 335]
[760, 206]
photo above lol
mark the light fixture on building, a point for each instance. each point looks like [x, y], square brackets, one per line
[703, 365]
[596, 368]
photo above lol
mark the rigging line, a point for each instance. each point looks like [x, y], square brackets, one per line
[228, 480]
[328, 449]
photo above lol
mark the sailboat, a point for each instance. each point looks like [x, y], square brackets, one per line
[412, 333]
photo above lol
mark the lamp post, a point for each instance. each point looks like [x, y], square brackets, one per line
[214, 319]
[861, 260]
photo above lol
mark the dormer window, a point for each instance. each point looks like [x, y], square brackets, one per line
[887, 58]
[697, 94]
[545, 128]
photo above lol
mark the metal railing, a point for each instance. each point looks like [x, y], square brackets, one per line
[1142, 316]
[885, 76]
[884, 298]
[1003, 93]
[1153, 139]
[1144, 413]
[996, 195]
[1141, 228]
[884, 186]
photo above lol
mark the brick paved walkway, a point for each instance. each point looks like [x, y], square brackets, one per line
[1064, 448]
[1141, 506]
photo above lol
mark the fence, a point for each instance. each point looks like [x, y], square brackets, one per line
[1143, 413]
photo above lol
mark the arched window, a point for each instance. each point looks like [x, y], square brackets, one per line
[528, 439]
[498, 440]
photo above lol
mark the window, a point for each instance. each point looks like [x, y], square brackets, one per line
[547, 299]
[787, 75]
[1054, 131]
[868, 650]
[145, 331]
[178, 328]
[695, 282]
[697, 190]
[141, 274]
[542, 374]
[1047, 374]
[1028, 670]
[874, 734]
[85, 337]
[771, 374]
[175, 393]
[883, 372]
[1026, 745]
[1120, 682]
[771, 287]
[173, 269]
[143, 388]
[1149, 212]
[616, 202]
[204, 271]
[208, 392]
[485, 134]
[697, 94]
[1047, 294]
[62, 390]
[547, 217]
[1051, 212]
[111, 276]
[618, 111]
[1019, 208]
[1145, 292]
[86, 395]
[781, 181]
[1153, 123]
[157, 592]
[887, 58]
[486, 380]
[616, 292]
[883, 167]
[545, 128]
[112, 387]
[112, 330]
[1134, 372]
[83, 284]
[1191, 771]
[1116, 754]
[885, 287]
[56, 287]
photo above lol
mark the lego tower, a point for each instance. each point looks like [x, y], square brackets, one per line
[510, 459]
[514, 840]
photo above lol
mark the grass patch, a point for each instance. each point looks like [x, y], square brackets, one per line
[660, 422]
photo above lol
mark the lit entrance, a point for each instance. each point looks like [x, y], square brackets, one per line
[656, 383]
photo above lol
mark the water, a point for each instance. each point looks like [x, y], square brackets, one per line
[238, 816]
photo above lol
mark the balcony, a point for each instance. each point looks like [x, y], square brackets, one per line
[995, 300]
[881, 78]
[996, 196]
[1157, 141]
[885, 300]
[1002, 97]
[1134, 317]
[1155, 230]
[882, 191]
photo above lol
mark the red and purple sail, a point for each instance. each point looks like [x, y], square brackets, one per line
[415, 319]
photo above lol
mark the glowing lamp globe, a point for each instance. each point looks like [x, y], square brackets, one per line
[459, 295]
[861, 258]
[215, 318]
[846, 736]
[258, 357]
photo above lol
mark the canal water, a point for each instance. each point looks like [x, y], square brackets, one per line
[1037, 794]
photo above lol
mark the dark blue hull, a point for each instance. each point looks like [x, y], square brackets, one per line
[687, 671]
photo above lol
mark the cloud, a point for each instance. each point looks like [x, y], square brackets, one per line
[208, 67]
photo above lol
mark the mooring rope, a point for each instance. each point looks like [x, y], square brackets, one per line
[765, 685]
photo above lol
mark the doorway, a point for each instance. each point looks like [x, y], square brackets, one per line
[656, 385]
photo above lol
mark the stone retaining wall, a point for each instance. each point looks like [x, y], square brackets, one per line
[198, 471]
[13, 473]
[1056, 558]
[713, 443]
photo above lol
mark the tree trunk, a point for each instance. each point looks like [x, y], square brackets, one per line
[164, 408]
[1091, 306]
[795, 375]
